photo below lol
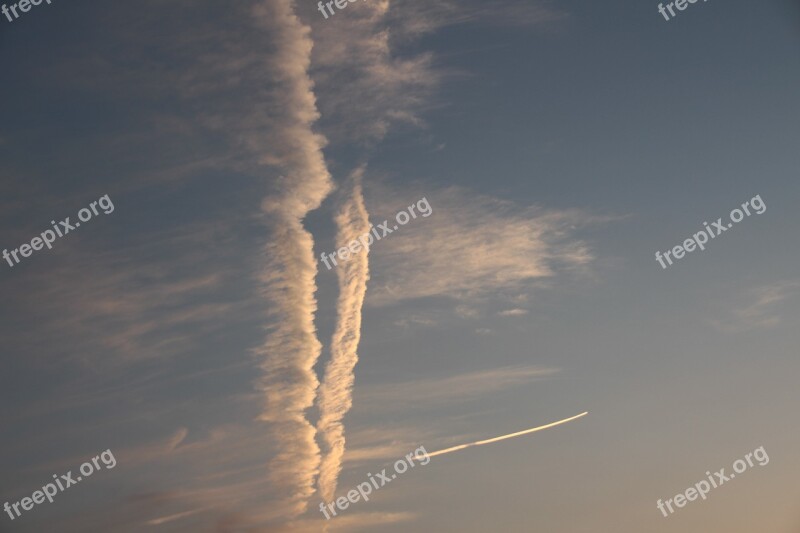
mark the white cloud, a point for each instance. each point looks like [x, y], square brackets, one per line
[472, 246]
[336, 391]
[513, 312]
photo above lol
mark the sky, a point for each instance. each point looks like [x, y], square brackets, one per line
[213, 154]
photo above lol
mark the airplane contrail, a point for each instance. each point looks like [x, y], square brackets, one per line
[504, 437]
[291, 349]
[336, 391]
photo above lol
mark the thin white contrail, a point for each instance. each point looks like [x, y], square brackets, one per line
[504, 437]
[336, 391]
[170, 518]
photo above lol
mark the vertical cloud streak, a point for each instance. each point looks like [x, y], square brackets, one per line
[291, 348]
[336, 392]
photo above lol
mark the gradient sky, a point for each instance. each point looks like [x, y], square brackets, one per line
[559, 144]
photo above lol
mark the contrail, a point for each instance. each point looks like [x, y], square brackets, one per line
[336, 391]
[504, 437]
[291, 349]
[170, 518]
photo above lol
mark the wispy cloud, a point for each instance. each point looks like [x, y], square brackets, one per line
[415, 319]
[474, 246]
[432, 391]
[370, 80]
[336, 391]
[418, 18]
[513, 312]
[345, 523]
[366, 85]
[755, 308]
[127, 304]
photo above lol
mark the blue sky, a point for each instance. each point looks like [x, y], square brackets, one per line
[559, 145]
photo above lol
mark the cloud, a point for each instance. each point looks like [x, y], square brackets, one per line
[474, 246]
[365, 85]
[362, 454]
[130, 303]
[375, 443]
[457, 388]
[291, 350]
[369, 74]
[336, 391]
[369, 521]
[345, 522]
[242, 104]
[419, 18]
[465, 311]
[513, 312]
[757, 308]
[415, 320]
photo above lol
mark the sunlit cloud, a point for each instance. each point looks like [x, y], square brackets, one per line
[368, 79]
[289, 382]
[474, 246]
[513, 312]
[336, 391]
